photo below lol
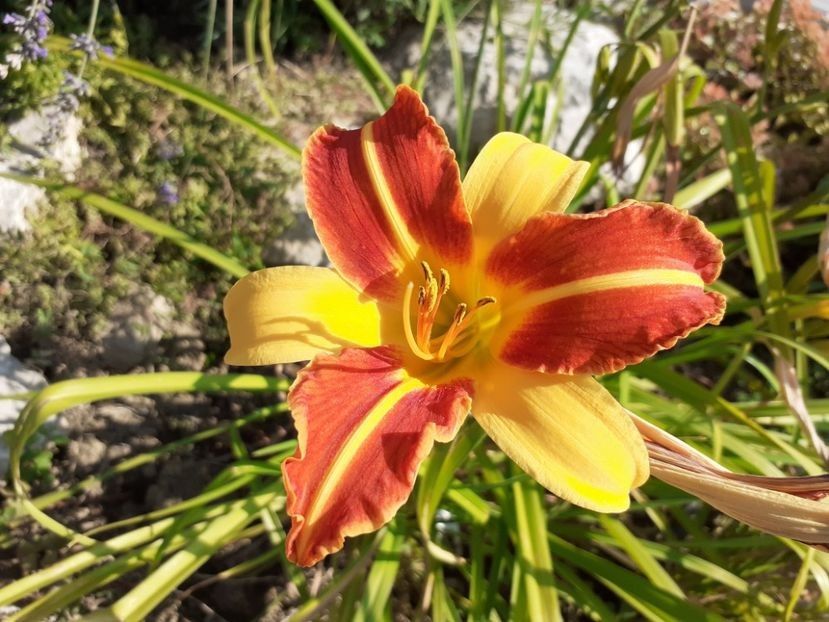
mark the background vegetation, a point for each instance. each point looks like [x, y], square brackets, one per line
[190, 173]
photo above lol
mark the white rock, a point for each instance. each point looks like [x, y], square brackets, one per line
[576, 74]
[15, 378]
[16, 200]
[297, 245]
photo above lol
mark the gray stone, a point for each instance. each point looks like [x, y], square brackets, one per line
[576, 75]
[15, 378]
[298, 244]
[17, 200]
[185, 347]
[135, 329]
[86, 452]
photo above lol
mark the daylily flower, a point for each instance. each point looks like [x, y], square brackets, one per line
[448, 298]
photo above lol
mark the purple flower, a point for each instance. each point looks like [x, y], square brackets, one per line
[75, 85]
[13, 19]
[168, 193]
[33, 28]
[89, 46]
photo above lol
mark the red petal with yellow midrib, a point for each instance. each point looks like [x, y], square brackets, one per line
[601, 331]
[604, 332]
[364, 426]
[386, 196]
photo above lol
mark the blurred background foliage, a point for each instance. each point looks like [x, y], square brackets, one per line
[208, 147]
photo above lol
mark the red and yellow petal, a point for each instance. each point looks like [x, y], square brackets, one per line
[567, 432]
[292, 313]
[386, 196]
[364, 426]
[590, 294]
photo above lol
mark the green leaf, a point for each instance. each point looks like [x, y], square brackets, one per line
[534, 563]
[380, 84]
[62, 395]
[649, 600]
[381, 577]
[640, 556]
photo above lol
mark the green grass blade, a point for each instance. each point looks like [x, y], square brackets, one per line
[448, 12]
[381, 84]
[138, 219]
[381, 577]
[312, 609]
[439, 471]
[144, 597]
[583, 595]
[150, 75]
[432, 17]
[753, 206]
[250, 56]
[701, 190]
[638, 592]
[535, 562]
[443, 607]
[62, 395]
[799, 585]
[640, 555]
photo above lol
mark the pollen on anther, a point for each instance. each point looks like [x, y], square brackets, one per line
[444, 281]
[427, 272]
[460, 313]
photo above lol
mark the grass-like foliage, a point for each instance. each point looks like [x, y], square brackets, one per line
[480, 540]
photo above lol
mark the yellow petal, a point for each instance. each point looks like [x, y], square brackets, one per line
[567, 433]
[512, 180]
[288, 314]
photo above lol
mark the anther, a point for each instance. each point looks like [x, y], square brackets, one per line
[482, 302]
[427, 272]
[460, 313]
[444, 281]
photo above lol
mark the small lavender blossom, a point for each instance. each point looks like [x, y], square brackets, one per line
[89, 46]
[168, 193]
[75, 85]
[33, 28]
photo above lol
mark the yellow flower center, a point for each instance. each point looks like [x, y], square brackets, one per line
[461, 334]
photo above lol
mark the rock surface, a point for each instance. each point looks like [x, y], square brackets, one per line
[298, 244]
[14, 378]
[576, 74]
[134, 330]
[17, 200]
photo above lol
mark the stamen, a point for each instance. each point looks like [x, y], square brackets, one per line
[454, 329]
[425, 299]
[407, 325]
[429, 322]
[459, 338]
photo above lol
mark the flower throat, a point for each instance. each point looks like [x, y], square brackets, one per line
[460, 336]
